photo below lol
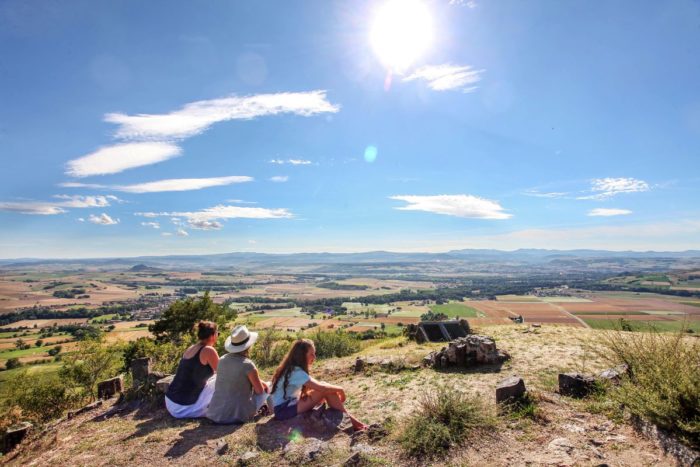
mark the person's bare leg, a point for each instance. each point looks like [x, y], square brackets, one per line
[333, 399]
[312, 399]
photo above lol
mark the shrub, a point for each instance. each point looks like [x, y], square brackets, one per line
[270, 348]
[331, 344]
[664, 386]
[179, 319]
[444, 418]
[12, 363]
[92, 362]
[40, 399]
[165, 356]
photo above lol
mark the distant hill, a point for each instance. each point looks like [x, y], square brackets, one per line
[144, 268]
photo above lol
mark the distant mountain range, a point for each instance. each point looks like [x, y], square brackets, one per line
[473, 257]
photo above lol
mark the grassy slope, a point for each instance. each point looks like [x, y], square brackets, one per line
[456, 309]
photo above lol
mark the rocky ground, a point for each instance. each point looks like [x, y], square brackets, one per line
[564, 432]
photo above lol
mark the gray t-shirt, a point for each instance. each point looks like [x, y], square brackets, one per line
[233, 394]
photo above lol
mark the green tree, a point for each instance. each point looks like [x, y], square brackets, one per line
[19, 343]
[92, 362]
[39, 343]
[179, 319]
[55, 350]
[40, 399]
[12, 363]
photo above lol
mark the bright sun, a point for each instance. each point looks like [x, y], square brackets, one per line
[401, 32]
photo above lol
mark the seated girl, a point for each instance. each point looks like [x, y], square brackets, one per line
[190, 392]
[238, 394]
[294, 391]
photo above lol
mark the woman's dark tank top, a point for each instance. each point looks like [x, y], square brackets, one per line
[190, 379]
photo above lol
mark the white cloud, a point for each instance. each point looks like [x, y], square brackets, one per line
[153, 225]
[174, 184]
[102, 219]
[119, 157]
[552, 194]
[81, 219]
[202, 224]
[605, 188]
[447, 77]
[607, 212]
[64, 202]
[167, 234]
[454, 205]
[196, 117]
[290, 161]
[252, 242]
[182, 233]
[279, 178]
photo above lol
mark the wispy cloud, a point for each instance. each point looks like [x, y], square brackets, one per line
[64, 202]
[174, 184]
[121, 157]
[208, 219]
[182, 233]
[447, 77]
[279, 178]
[290, 161]
[608, 212]
[605, 188]
[153, 225]
[102, 219]
[454, 205]
[196, 117]
[551, 194]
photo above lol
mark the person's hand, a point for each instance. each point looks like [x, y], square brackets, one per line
[342, 396]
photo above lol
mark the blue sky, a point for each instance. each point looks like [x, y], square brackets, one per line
[176, 127]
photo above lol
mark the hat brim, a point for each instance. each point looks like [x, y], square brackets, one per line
[231, 348]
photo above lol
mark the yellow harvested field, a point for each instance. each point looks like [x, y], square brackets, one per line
[42, 323]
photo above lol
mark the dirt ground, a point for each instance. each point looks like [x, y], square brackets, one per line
[566, 433]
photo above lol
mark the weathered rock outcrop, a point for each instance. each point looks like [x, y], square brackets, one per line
[467, 352]
[110, 387]
[576, 384]
[14, 435]
[510, 389]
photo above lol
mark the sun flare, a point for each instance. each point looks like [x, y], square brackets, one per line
[401, 32]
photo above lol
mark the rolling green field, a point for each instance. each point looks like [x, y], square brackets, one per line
[16, 353]
[662, 326]
[456, 309]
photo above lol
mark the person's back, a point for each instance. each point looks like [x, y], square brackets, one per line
[234, 398]
[190, 379]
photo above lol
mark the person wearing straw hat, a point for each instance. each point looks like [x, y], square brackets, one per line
[239, 394]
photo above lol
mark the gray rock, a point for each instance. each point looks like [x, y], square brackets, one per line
[110, 387]
[163, 384]
[575, 384]
[561, 445]
[140, 369]
[614, 375]
[467, 352]
[510, 389]
[354, 460]
[14, 435]
[247, 459]
[221, 447]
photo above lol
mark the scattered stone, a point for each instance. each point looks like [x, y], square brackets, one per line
[574, 428]
[163, 384]
[221, 447]
[614, 375]
[14, 435]
[596, 442]
[354, 460]
[536, 325]
[87, 408]
[438, 331]
[304, 452]
[107, 389]
[510, 389]
[668, 442]
[467, 352]
[561, 444]
[616, 439]
[140, 369]
[575, 384]
[247, 459]
[391, 364]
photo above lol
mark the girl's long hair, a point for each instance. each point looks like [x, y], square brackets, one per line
[295, 357]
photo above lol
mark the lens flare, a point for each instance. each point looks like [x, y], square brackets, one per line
[371, 153]
[401, 32]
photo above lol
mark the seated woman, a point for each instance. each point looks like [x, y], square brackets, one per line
[238, 394]
[190, 392]
[294, 391]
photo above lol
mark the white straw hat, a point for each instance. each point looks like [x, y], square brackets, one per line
[240, 339]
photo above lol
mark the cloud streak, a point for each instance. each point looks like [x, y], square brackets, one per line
[120, 157]
[608, 212]
[209, 219]
[606, 188]
[290, 161]
[447, 77]
[279, 178]
[65, 202]
[168, 185]
[196, 117]
[467, 206]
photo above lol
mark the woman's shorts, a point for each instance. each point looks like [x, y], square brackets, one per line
[286, 410]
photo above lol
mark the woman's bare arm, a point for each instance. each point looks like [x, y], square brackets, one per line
[323, 386]
[210, 357]
[258, 386]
